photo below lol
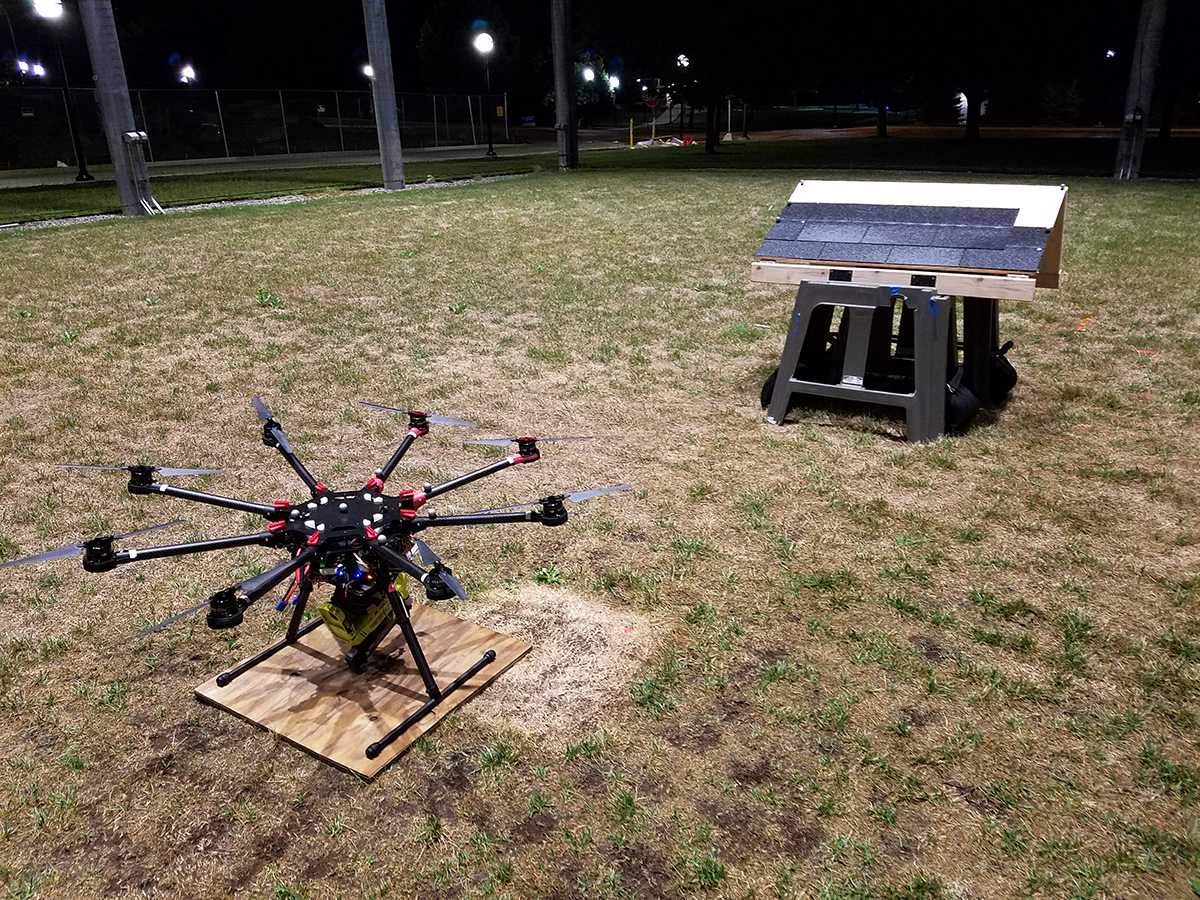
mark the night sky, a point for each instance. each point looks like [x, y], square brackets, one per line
[768, 52]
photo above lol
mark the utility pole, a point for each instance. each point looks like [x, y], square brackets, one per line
[383, 89]
[1141, 86]
[116, 113]
[564, 84]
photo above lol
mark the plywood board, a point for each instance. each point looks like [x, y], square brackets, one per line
[307, 695]
[957, 284]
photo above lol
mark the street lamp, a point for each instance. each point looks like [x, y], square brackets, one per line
[614, 82]
[37, 70]
[187, 75]
[485, 45]
[53, 9]
[589, 74]
[368, 70]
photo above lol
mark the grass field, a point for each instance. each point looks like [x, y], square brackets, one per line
[827, 663]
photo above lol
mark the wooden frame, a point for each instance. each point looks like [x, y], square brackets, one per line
[958, 284]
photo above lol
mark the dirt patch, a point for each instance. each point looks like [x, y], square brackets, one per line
[584, 655]
[929, 648]
[536, 830]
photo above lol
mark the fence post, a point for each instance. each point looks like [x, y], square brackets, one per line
[506, 137]
[435, 143]
[471, 116]
[283, 114]
[221, 121]
[337, 104]
[403, 117]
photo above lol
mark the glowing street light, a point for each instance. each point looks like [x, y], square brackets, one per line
[485, 45]
[36, 69]
[368, 70]
[588, 73]
[48, 9]
[614, 82]
[53, 9]
[682, 61]
[1109, 54]
[187, 74]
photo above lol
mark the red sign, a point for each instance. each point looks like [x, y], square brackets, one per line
[651, 100]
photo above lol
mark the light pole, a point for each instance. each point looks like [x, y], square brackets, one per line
[484, 44]
[53, 9]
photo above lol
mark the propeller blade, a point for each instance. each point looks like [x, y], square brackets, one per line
[446, 420]
[282, 439]
[264, 414]
[504, 442]
[437, 420]
[580, 496]
[574, 497]
[453, 583]
[428, 557]
[161, 470]
[73, 550]
[121, 537]
[175, 618]
[67, 552]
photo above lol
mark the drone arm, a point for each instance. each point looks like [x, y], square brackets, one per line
[227, 606]
[154, 487]
[273, 436]
[399, 561]
[530, 515]
[101, 558]
[253, 588]
[498, 466]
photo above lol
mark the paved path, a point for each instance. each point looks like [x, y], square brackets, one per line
[19, 178]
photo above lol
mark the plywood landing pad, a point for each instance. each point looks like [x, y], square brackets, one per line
[307, 695]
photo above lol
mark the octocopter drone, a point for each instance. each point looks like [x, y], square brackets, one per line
[362, 543]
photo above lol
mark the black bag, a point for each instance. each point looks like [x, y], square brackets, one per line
[1003, 375]
[961, 404]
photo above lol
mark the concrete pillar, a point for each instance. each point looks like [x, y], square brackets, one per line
[383, 88]
[1141, 85]
[564, 84]
[116, 112]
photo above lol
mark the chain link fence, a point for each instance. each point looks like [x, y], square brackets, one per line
[192, 123]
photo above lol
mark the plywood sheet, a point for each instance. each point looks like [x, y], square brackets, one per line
[307, 695]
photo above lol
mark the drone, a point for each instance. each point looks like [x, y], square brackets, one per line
[362, 543]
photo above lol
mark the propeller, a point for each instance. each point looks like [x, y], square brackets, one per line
[439, 569]
[175, 618]
[73, 550]
[270, 423]
[161, 470]
[251, 587]
[504, 442]
[430, 417]
[574, 497]
[264, 414]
